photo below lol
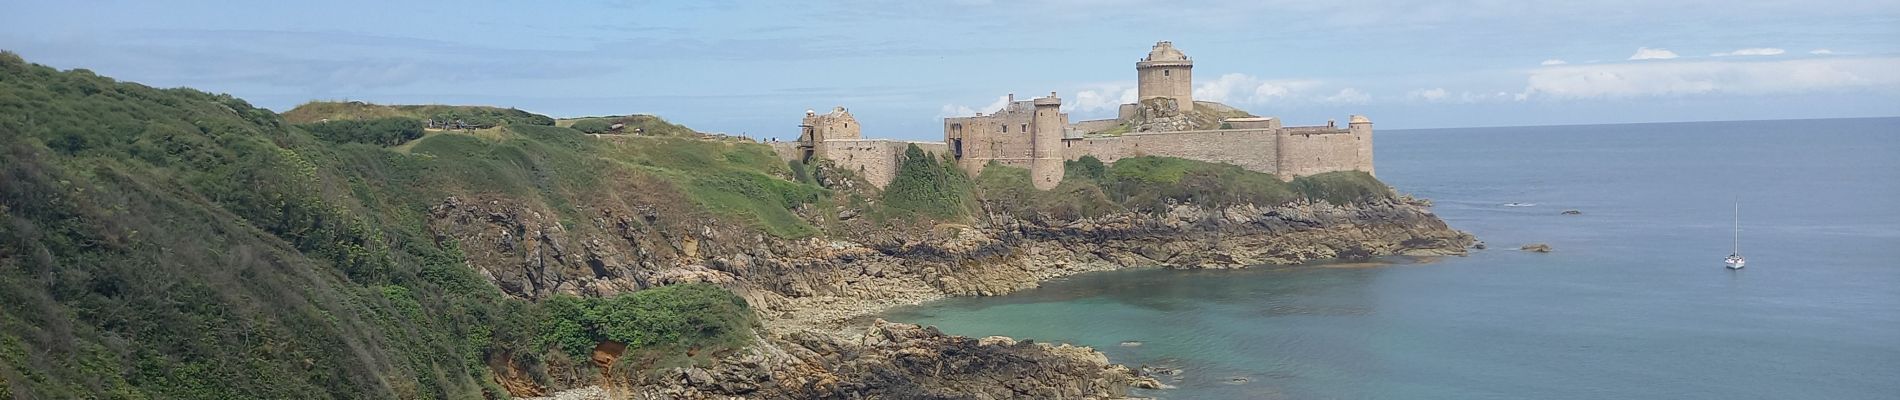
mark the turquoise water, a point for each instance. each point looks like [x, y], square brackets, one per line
[1633, 302]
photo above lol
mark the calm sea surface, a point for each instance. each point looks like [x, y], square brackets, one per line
[1633, 302]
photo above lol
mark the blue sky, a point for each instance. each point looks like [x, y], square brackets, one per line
[754, 67]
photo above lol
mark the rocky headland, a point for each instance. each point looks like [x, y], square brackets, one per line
[818, 297]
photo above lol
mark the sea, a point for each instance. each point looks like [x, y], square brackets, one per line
[1633, 302]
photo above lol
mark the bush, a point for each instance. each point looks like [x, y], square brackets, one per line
[381, 131]
[666, 319]
[592, 125]
[1087, 168]
[929, 186]
[1342, 187]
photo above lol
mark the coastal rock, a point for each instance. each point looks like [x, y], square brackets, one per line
[815, 295]
[1573, 212]
[1536, 248]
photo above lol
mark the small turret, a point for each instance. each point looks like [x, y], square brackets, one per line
[1361, 129]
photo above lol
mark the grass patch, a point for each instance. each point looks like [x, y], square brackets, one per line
[476, 116]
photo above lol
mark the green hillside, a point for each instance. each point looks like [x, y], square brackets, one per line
[172, 243]
[478, 116]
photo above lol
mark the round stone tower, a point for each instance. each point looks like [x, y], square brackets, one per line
[1166, 72]
[1045, 163]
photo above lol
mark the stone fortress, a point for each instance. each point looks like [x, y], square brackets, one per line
[1165, 121]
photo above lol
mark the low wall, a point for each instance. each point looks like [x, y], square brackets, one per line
[874, 159]
[1096, 125]
[787, 151]
[1252, 149]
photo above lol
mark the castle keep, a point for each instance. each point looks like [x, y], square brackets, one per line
[1165, 121]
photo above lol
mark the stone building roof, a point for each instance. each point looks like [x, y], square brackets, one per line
[1165, 51]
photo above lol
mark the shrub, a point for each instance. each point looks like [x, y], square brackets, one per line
[928, 186]
[381, 131]
[663, 319]
[592, 125]
[1086, 167]
[1342, 187]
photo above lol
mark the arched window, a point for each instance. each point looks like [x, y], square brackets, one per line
[1005, 128]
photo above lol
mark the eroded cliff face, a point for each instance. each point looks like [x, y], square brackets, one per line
[817, 294]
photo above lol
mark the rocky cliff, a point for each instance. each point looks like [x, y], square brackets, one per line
[171, 243]
[817, 295]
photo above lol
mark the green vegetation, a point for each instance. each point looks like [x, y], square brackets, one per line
[592, 125]
[391, 131]
[170, 243]
[475, 116]
[928, 186]
[639, 124]
[1090, 188]
[1008, 190]
[668, 319]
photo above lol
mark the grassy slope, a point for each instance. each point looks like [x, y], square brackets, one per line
[170, 243]
[482, 116]
[177, 244]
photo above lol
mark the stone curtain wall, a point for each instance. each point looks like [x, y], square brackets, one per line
[787, 151]
[1097, 125]
[1252, 149]
[1306, 151]
[875, 159]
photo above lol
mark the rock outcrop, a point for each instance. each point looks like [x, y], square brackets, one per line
[816, 295]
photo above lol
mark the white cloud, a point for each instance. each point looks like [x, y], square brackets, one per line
[1348, 96]
[1754, 51]
[1626, 80]
[1645, 53]
[1821, 52]
[1553, 61]
[1242, 89]
[955, 110]
[1103, 97]
[1430, 95]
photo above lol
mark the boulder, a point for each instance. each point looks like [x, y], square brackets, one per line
[1536, 248]
[1573, 212]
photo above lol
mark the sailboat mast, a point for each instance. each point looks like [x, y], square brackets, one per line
[1738, 228]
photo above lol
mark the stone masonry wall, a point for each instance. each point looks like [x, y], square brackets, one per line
[1305, 153]
[786, 150]
[875, 159]
[1097, 125]
[1252, 149]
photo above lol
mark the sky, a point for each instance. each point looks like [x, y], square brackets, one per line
[753, 68]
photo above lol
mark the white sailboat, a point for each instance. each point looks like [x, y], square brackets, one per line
[1735, 259]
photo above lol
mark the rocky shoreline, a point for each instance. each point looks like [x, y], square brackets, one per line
[818, 297]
